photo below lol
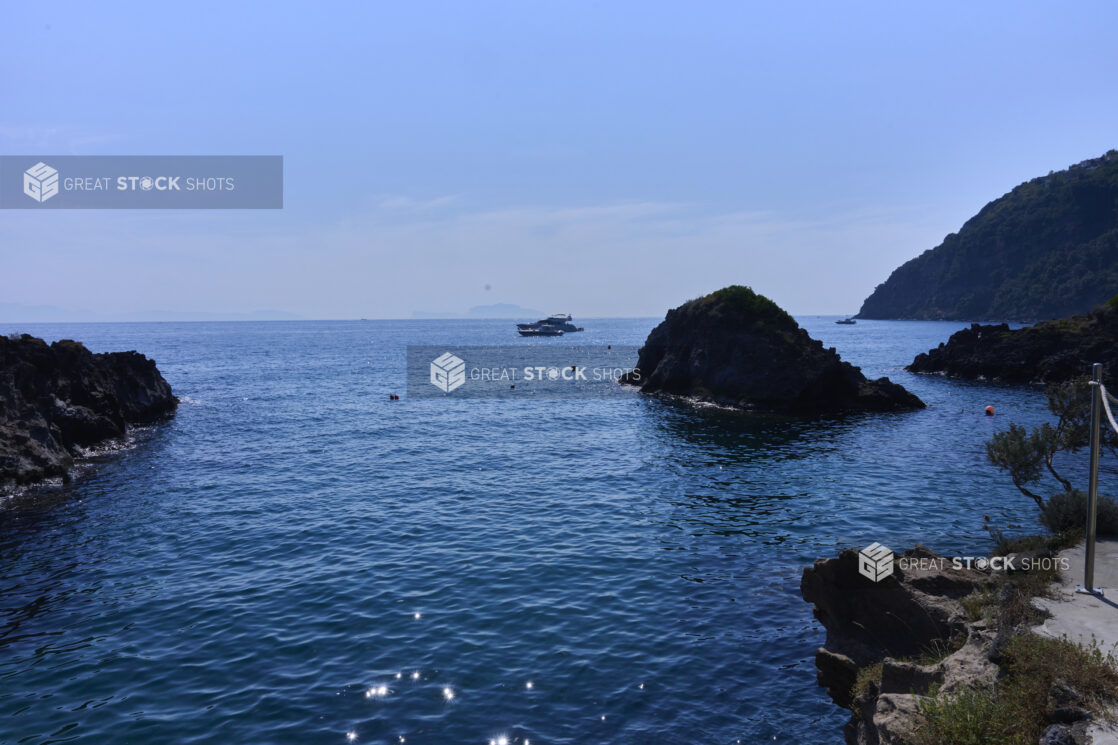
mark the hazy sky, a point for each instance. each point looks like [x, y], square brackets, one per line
[601, 158]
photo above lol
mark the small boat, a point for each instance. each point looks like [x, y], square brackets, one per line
[560, 322]
[846, 322]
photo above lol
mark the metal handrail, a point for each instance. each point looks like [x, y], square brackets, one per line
[1098, 404]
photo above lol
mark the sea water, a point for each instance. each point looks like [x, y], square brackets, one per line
[296, 558]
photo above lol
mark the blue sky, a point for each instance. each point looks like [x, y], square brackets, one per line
[606, 159]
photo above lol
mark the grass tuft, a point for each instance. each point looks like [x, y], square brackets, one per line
[1016, 710]
[980, 605]
[870, 674]
[1004, 545]
[937, 651]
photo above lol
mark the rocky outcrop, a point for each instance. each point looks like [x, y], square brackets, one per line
[56, 399]
[906, 644]
[739, 349]
[914, 613]
[1049, 352]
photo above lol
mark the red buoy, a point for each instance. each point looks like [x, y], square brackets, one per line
[989, 411]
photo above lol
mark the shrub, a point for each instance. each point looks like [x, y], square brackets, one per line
[1015, 710]
[743, 301]
[1037, 663]
[1067, 512]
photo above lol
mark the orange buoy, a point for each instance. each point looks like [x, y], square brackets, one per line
[989, 411]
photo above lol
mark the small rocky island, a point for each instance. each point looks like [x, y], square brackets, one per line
[56, 399]
[1049, 352]
[738, 349]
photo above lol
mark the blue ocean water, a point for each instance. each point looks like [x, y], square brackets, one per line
[295, 558]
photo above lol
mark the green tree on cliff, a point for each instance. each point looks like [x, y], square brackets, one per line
[1030, 457]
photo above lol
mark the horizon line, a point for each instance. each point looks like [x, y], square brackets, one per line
[370, 320]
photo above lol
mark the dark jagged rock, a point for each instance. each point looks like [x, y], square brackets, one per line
[905, 615]
[59, 398]
[864, 618]
[1049, 352]
[1047, 249]
[739, 349]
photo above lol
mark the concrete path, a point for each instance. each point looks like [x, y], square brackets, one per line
[1084, 618]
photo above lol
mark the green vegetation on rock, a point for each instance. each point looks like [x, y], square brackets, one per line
[1045, 679]
[1048, 248]
[744, 301]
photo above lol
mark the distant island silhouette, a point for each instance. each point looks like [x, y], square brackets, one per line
[494, 310]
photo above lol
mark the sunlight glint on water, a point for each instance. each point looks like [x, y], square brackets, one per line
[296, 559]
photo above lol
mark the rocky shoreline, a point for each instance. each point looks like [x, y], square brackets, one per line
[884, 623]
[59, 398]
[927, 632]
[737, 349]
[1049, 352]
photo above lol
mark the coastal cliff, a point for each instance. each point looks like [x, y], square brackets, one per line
[58, 398]
[934, 653]
[1049, 352]
[1047, 249]
[739, 349]
[891, 623]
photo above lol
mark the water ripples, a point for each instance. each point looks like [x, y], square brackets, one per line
[280, 562]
